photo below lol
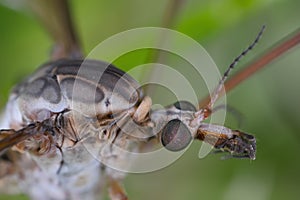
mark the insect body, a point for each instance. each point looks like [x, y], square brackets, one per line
[68, 111]
[57, 119]
[69, 127]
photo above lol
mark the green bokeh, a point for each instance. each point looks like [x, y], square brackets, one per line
[269, 101]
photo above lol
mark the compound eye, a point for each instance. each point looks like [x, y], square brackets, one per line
[247, 137]
[185, 105]
[175, 136]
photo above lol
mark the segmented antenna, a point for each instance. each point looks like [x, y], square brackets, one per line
[218, 89]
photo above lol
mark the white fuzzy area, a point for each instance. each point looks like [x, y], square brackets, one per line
[41, 185]
[10, 114]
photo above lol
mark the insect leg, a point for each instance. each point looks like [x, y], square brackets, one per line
[10, 137]
[116, 190]
[61, 161]
[143, 109]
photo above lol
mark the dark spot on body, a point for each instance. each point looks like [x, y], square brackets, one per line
[5, 157]
[36, 87]
[107, 102]
[105, 132]
[185, 105]
[45, 87]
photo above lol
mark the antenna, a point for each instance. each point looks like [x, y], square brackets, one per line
[218, 89]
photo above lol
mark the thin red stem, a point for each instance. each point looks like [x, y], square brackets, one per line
[286, 44]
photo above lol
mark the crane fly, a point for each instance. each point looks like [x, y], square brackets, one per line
[50, 129]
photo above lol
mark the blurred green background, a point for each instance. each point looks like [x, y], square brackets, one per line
[269, 101]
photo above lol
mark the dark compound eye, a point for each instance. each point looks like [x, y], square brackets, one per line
[249, 137]
[185, 105]
[246, 136]
[175, 135]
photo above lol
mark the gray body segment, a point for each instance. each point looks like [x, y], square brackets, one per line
[93, 88]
